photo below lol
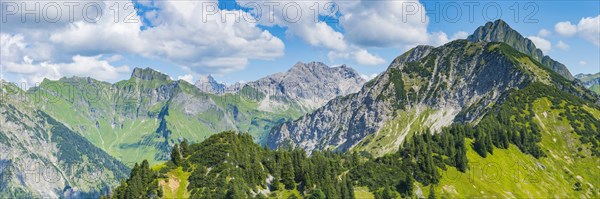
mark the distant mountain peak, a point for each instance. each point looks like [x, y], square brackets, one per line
[309, 84]
[208, 78]
[208, 84]
[319, 68]
[590, 81]
[500, 31]
[310, 66]
[149, 74]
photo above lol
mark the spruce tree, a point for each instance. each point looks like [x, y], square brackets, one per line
[316, 194]
[431, 193]
[287, 172]
[185, 148]
[480, 143]
[176, 155]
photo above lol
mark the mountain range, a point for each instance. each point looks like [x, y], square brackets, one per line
[428, 88]
[591, 81]
[140, 118]
[493, 98]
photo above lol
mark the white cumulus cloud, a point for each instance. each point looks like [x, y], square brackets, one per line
[83, 66]
[565, 28]
[541, 43]
[187, 77]
[359, 56]
[562, 45]
[385, 23]
[178, 35]
[359, 25]
[441, 38]
[369, 77]
[460, 35]
[543, 33]
[588, 29]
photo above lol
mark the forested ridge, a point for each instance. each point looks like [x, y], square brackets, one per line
[231, 165]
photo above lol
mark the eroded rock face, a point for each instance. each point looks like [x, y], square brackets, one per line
[208, 84]
[310, 85]
[306, 86]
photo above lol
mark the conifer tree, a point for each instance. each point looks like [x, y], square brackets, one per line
[480, 143]
[176, 155]
[287, 172]
[431, 193]
[185, 150]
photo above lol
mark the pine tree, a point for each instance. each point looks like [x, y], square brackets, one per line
[461, 160]
[410, 185]
[287, 172]
[431, 193]
[316, 194]
[386, 193]
[176, 155]
[480, 143]
[235, 190]
[146, 173]
[347, 188]
[185, 148]
[489, 145]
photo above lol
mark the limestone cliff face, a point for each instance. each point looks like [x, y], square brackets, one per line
[302, 88]
[308, 85]
[208, 84]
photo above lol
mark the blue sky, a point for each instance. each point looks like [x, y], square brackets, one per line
[187, 39]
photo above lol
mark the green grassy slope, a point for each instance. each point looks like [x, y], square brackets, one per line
[569, 169]
[395, 131]
[596, 89]
[139, 119]
[562, 114]
[64, 158]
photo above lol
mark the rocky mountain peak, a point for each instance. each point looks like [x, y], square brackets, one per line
[319, 69]
[309, 84]
[207, 79]
[591, 81]
[500, 31]
[208, 84]
[310, 67]
[434, 87]
[149, 74]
